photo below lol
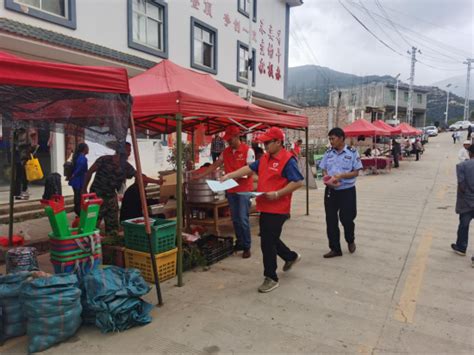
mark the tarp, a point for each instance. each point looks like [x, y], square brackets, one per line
[393, 130]
[364, 128]
[169, 89]
[407, 130]
[39, 94]
[23, 72]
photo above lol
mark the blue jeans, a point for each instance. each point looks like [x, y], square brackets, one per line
[239, 210]
[463, 229]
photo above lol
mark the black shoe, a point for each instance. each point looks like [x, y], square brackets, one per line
[238, 248]
[352, 247]
[246, 254]
[332, 254]
[457, 250]
[289, 264]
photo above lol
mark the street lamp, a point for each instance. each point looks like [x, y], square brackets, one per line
[396, 96]
[447, 106]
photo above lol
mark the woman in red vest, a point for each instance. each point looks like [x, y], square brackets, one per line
[235, 156]
[278, 177]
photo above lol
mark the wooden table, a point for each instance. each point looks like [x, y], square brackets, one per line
[215, 221]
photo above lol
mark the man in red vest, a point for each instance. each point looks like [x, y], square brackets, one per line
[278, 177]
[235, 156]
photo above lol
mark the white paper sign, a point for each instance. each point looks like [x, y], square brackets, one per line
[218, 186]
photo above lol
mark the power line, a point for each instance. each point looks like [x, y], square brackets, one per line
[425, 38]
[368, 30]
[377, 2]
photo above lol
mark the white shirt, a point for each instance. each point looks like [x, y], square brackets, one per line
[463, 155]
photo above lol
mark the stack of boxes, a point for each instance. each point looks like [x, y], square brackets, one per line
[74, 250]
[163, 241]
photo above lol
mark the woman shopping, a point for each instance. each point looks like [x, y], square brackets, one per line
[79, 164]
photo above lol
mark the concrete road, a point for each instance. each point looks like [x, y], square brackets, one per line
[403, 291]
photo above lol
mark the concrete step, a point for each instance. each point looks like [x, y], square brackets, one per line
[28, 205]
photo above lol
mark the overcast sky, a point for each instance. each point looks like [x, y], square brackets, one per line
[323, 33]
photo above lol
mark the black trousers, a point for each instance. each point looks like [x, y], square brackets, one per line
[340, 205]
[21, 184]
[271, 225]
[395, 160]
[77, 201]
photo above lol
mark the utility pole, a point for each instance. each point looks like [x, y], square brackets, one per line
[396, 96]
[250, 64]
[466, 97]
[412, 79]
[447, 106]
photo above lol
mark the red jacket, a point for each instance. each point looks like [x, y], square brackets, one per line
[234, 161]
[270, 178]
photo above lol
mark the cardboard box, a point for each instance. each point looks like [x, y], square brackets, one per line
[168, 189]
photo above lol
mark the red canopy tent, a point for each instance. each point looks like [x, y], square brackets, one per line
[169, 89]
[364, 128]
[34, 93]
[392, 130]
[169, 98]
[407, 130]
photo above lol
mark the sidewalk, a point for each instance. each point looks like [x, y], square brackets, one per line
[402, 291]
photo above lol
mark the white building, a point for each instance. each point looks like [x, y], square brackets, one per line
[206, 35]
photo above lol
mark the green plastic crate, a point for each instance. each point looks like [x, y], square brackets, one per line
[163, 235]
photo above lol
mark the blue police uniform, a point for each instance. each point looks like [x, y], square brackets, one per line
[335, 163]
[340, 202]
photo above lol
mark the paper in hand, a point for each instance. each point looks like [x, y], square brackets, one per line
[218, 186]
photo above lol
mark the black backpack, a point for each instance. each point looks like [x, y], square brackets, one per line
[52, 186]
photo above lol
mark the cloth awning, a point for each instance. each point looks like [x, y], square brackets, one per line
[407, 130]
[169, 89]
[364, 128]
[393, 130]
[44, 93]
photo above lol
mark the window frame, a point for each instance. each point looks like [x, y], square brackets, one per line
[213, 30]
[406, 96]
[254, 56]
[69, 21]
[393, 94]
[246, 13]
[419, 98]
[143, 47]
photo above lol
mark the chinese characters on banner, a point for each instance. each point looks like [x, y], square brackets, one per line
[268, 44]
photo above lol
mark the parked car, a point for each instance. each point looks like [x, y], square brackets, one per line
[460, 125]
[432, 131]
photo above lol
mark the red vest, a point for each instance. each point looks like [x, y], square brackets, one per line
[296, 150]
[234, 161]
[270, 178]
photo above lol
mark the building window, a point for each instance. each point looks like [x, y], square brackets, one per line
[147, 26]
[393, 95]
[242, 63]
[405, 95]
[244, 8]
[60, 12]
[419, 98]
[203, 46]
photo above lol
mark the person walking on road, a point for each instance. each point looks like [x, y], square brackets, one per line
[235, 156]
[278, 178]
[396, 151]
[340, 164]
[464, 202]
[463, 154]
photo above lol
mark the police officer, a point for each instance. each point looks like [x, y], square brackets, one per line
[278, 177]
[342, 164]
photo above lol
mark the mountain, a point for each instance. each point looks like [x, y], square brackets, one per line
[458, 86]
[309, 85]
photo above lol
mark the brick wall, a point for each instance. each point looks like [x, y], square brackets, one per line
[320, 118]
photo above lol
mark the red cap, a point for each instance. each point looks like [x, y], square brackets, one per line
[272, 133]
[231, 132]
